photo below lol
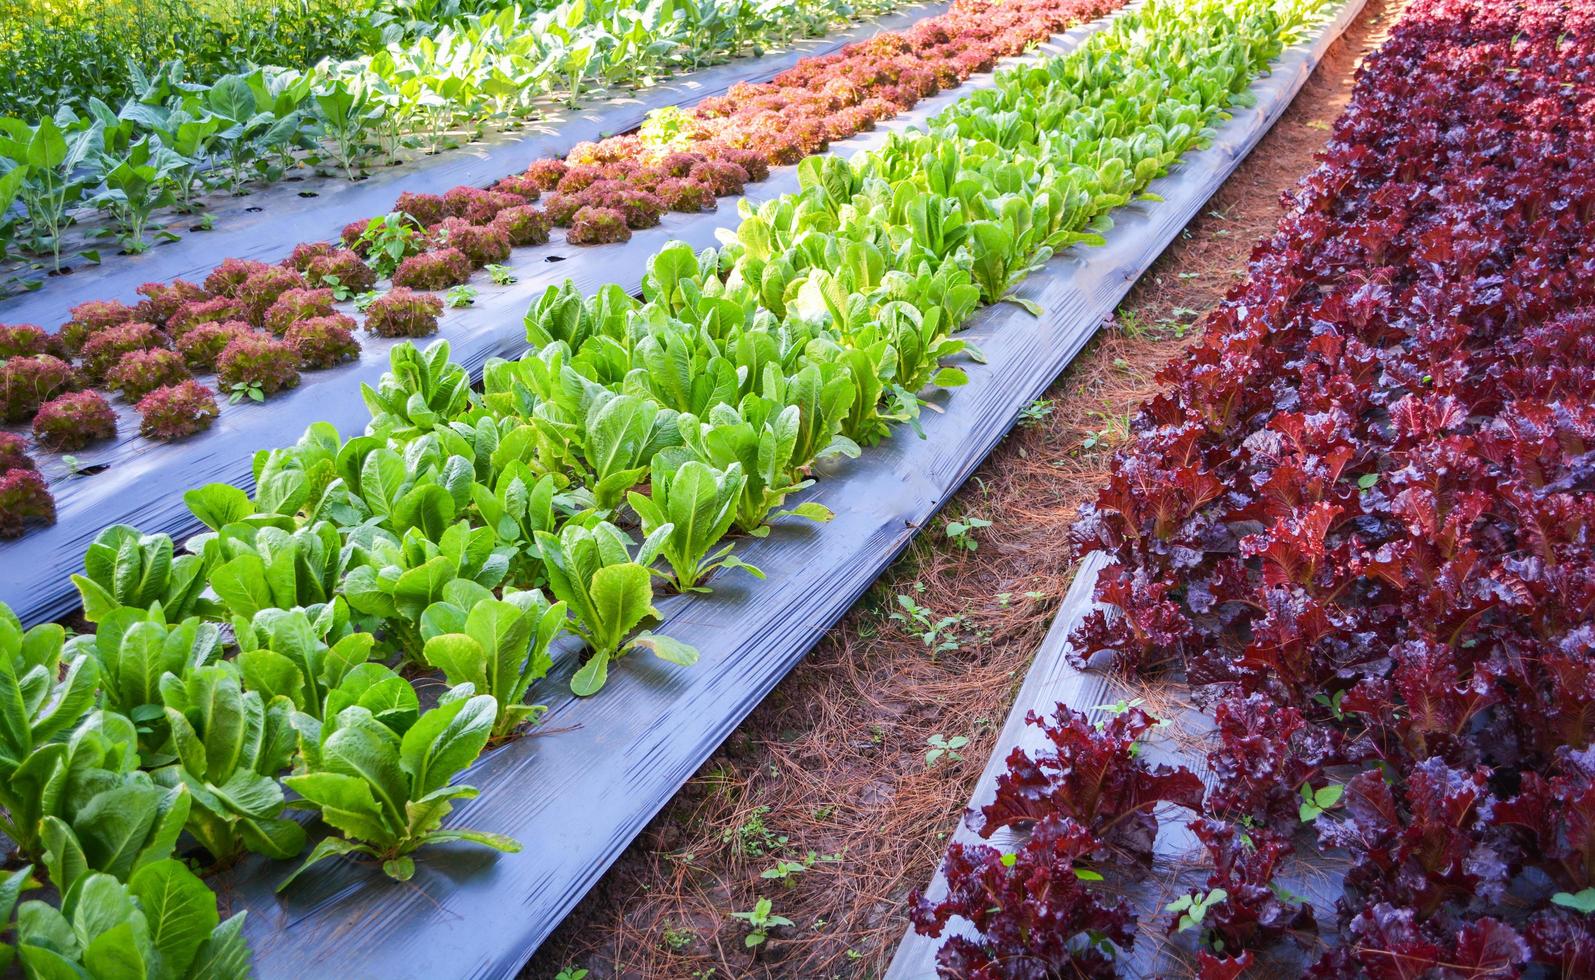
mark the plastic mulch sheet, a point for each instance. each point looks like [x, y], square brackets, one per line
[577, 795]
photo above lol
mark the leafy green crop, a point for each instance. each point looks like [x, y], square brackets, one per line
[38, 704]
[388, 793]
[609, 594]
[697, 503]
[230, 746]
[136, 648]
[103, 814]
[498, 646]
[393, 580]
[125, 568]
[162, 923]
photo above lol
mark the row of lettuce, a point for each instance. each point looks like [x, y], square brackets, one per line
[1359, 524]
[174, 140]
[62, 52]
[255, 326]
[492, 534]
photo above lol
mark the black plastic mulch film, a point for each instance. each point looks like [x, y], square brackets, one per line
[139, 482]
[577, 796]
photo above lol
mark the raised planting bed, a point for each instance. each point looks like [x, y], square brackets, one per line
[410, 547]
[174, 142]
[1177, 865]
[268, 223]
[128, 480]
[1328, 557]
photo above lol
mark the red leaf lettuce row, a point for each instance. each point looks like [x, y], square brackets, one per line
[1362, 513]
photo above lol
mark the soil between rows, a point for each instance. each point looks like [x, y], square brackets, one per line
[834, 761]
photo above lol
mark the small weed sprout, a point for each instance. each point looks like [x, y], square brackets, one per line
[1036, 412]
[937, 634]
[1315, 802]
[752, 837]
[962, 533]
[760, 921]
[251, 390]
[941, 745]
[786, 872]
[1193, 907]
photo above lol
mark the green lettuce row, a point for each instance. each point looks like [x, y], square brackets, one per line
[169, 138]
[434, 536]
[817, 325]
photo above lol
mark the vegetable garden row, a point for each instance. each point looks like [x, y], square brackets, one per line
[1356, 533]
[173, 140]
[206, 319]
[641, 446]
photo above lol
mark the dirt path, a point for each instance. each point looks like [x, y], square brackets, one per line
[829, 781]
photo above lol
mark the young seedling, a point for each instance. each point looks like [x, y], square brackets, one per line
[1583, 901]
[1332, 702]
[1193, 907]
[1036, 412]
[786, 872]
[1291, 898]
[937, 634]
[1115, 430]
[760, 921]
[500, 274]
[460, 297]
[1120, 706]
[388, 240]
[246, 389]
[941, 745]
[1315, 801]
[1130, 324]
[752, 837]
[962, 533]
[340, 292]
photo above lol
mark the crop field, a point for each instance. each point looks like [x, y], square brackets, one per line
[618, 559]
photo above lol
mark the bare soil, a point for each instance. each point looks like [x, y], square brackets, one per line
[831, 772]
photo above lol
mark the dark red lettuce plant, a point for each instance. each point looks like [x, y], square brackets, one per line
[1035, 915]
[1092, 774]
